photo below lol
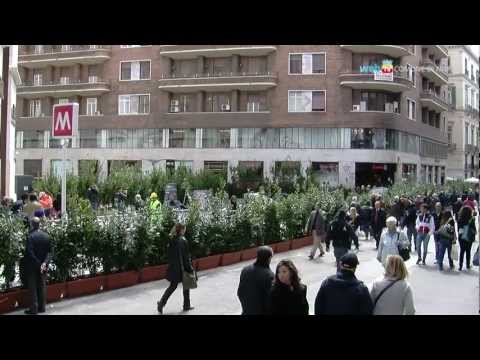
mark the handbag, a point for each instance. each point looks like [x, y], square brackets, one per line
[475, 258]
[404, 252]
[189, 280]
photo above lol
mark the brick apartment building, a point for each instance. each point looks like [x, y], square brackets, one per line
[257, 106]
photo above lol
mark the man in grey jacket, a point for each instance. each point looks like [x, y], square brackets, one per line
[317, 226]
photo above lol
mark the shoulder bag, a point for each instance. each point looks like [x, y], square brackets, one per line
[189, 280]
[383, 291]
[403, 251]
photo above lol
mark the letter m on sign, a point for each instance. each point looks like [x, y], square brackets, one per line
[64, 121]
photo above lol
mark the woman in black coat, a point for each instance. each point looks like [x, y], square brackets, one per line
[466, 234]
[288, 295]
[178, 261]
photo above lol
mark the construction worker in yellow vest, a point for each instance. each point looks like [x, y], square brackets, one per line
[154, 203]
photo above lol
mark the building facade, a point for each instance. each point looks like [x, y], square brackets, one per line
[354, 114]
[463, 117]
[9, 78]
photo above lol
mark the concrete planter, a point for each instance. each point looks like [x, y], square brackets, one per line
[12, 300]
[299, 243]
[56, 292]
[153, 273]
[231, 258]
[83, 287]
[284, 246]
[209, 262]
[121, 280]
[249, 254]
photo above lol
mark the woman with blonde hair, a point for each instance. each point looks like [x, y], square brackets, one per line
[393, 295]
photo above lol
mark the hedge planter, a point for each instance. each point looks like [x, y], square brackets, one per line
[249, 254]
[301, 242]
[209, 262]
[231, 258]
[284, 246]
[12, 300]
[153, 273]
[86, 286]
[121, 280]
[56, 292]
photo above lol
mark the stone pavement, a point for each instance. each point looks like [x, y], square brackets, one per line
[434, 292]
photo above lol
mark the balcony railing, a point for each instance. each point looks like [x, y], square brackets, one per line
[429, 93]
[72, 48]
[91, 80]
[429, 63]
[216, 75]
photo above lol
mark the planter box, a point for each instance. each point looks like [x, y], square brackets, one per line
[86, 286]
[153, 273]
[121, 280]
[300, 243]
[209, 262]
[249, 254]
[14, 300]
[308, 241]
[231, 258]
[56, 292]
[284, 246]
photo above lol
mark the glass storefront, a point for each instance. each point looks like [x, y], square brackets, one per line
[326, 173]
[409, 172]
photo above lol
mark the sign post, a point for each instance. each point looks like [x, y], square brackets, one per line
[64, 127]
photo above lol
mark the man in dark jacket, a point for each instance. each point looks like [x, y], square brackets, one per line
[379, 221]
[343, 293]
[365, 219]
[255, 284]
[341, 234]
[92, 195]
[38, 255]
[409, 222]
[397, 209]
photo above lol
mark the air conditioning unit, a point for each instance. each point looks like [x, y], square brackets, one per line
[356, 108]
[226, 107]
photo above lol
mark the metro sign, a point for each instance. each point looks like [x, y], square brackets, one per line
[65, 121]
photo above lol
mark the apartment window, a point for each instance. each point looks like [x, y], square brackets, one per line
[256, 102]
[63, 101]
[90, 138]
[218, 102]
[411, 73]
[467, 100]
[183, 103]
[38, 49]
[306, 101]
[135, 70]
[376, 101]
[133, 104]
[182, 138]
[218, 66]
[33, 139]
[134, 138]
[215, 138]
[64, 80]
[307, 63]
[216, 167]
[35, 108]
[91, 106]
[412, 109]
[37, 78]
[32, 168]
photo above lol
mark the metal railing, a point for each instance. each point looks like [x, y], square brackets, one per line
[429, 63]
[216, 75]
[60, 50]
[30, 83]
[434, 94]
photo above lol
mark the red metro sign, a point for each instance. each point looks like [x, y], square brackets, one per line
[64, 121]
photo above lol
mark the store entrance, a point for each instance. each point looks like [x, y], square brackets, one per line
[374, 174]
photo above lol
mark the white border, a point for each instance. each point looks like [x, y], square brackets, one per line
[132, 114]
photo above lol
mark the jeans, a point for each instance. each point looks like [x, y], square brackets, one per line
[38, 290]
[412, 231]
[465, 249]
[422, 238]
[339, 252]
[444, 245]
[169, 292]
[318, 241]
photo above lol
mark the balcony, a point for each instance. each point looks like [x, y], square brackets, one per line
[194, 51]
[394, 51]
[218, 82]
[82, 54]
[433, 101]
[439, 51]
[433, 72]
[364, 81]
[56, 89]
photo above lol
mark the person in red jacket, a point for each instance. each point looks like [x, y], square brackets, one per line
[46, 202]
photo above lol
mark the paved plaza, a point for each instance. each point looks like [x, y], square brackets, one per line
[435, 293]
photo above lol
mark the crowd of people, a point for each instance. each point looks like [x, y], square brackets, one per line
[31, 204]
